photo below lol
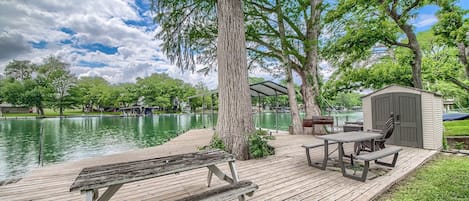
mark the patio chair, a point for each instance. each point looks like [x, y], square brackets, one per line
[379, 143]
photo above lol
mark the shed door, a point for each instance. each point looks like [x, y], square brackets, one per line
[407, 116]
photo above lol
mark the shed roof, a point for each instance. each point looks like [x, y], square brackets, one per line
[260, 89]
[395, 85]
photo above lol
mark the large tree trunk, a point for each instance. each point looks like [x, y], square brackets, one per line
[417, 61]
[309, 74]
[294, 112]
[413, 45]
[295, 115]
[463, 57]
[235, 112]
[40, 110]
[310, 93]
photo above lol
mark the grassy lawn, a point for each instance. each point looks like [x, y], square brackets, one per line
[456, 128]
[444, 178]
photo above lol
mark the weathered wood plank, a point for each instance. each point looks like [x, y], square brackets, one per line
[121, 173]
[227, 192]
[285, 175]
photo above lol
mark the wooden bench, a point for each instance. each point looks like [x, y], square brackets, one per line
[375, 156]
[113, 176]
[319, 120]
[227, 192]
[323, 165]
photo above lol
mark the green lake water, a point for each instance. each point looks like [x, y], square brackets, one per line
[77, 138]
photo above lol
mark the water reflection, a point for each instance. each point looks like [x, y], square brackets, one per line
[84, 137]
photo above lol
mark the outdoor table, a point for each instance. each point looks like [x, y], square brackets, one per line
[113, 176]
[345, 137]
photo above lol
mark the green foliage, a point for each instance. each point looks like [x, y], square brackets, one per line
[456, 128]
[161, 90]
[20, 70]
[58, 82]
[258, 146]
[459, 145]
[439, 65]
[188, 31]
[445, 143]
[216, 143]
[444, 178]
[55, 87]
[347, 100]
[452, 27]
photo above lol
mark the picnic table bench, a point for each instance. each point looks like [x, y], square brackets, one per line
[113, 176]
[347, 137]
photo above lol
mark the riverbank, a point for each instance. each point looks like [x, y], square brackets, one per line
[283, 176]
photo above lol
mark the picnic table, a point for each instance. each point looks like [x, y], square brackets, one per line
[113, 176]
[347, 137]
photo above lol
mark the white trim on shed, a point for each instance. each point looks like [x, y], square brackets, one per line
[431, 107]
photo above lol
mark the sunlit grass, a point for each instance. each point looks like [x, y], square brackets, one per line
[444, 178]
[456, 128]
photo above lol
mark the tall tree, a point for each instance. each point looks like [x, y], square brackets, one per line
[452, 29]
[59, 79]
[235, 122]
[189, 33]
[90, 91]
[20, 70]
[362, 24]
[194, 32]
[28, 93]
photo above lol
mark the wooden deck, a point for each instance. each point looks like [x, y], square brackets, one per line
[284, 176]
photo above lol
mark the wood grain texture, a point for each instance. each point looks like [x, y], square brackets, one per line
[283, 176]
[121, 173]
[227, 192]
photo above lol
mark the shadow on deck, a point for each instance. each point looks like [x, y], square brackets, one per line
[284, 176]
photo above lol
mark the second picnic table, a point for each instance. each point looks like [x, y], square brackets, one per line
[340, 139]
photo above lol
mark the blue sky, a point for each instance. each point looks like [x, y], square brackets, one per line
[109, 38]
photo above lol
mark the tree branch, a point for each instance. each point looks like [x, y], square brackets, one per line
[295, 28]
[268, 54]
[265, 44]
[459, 83]
[413, 5]
[393, 42]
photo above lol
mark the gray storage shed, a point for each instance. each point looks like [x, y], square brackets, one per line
[417, 115]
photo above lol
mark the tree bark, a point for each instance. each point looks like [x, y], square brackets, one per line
[459, 83]
[309, 73]
[294, 112]
[235, 122]
[40, 110]
[310, 93]
[417, 61]
[463, 57]
[413, 45]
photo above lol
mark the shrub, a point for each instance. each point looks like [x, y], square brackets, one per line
[445, 144]
[215, 143]
[459, 145]
[258, 146]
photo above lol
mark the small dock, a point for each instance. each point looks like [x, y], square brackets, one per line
[284, 176]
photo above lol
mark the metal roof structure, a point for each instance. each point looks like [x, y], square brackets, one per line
[267, 88]
[260, 89]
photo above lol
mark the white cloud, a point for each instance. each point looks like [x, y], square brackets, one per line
[424, 20]
[93, 22]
